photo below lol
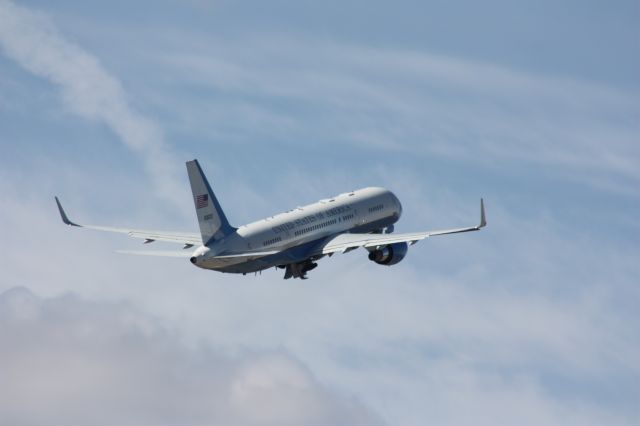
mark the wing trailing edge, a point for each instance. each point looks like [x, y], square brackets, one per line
[346, 242]
[186, 238]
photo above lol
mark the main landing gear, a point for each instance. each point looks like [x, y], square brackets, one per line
[298, 270]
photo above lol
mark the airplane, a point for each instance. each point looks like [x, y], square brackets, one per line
[294, 240]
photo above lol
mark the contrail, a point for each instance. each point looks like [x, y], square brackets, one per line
[87, 89]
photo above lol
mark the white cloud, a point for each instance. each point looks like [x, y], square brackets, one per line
[464, 326]
[87, 88]
[68, 361]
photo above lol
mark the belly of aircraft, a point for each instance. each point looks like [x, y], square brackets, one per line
[241, 265]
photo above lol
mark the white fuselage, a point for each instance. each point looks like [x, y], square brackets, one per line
[364, 210]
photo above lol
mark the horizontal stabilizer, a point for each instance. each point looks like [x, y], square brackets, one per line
[248, 255]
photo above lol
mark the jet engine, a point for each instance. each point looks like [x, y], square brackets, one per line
[390, 254]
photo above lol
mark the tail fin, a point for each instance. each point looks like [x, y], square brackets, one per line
[213, 223]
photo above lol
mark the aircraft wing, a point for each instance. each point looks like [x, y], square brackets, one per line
[186, 238]
[160, 253]
[347, 242]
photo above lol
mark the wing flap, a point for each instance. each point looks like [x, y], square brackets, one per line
[347, 242]
[172, 237]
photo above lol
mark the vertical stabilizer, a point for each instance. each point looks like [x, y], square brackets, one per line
[213, 223]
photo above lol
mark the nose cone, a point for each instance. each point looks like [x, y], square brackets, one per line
[396, 201]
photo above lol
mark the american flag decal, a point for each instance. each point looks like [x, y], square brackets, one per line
[202, 201]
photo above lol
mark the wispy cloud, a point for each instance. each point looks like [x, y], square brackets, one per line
[414, 102]
[87, 88]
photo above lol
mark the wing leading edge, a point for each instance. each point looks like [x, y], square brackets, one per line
[186, 238]
[347, 242]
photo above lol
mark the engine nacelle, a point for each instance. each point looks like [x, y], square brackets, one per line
[389, 255]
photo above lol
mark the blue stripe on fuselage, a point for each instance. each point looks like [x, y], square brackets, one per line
[301, 252]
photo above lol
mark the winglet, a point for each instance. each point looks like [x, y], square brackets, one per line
[63, 215]
[483, 217]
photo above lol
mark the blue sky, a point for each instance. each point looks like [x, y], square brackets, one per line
[532, 105]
